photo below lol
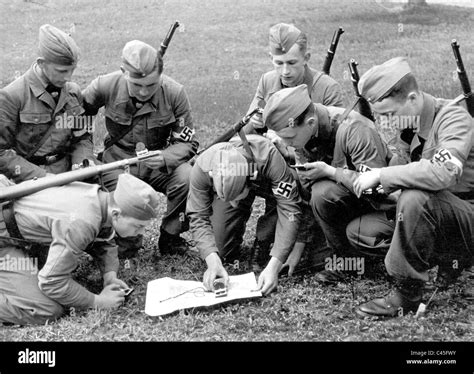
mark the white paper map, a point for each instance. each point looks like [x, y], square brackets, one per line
[166, 295]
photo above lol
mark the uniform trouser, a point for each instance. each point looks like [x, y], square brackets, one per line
[174, 185]
[229, 223]
[334, 206]
[21, 300]
[429, 229]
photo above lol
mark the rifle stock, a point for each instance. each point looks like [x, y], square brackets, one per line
[332, 50]
[164, 45]
[34, 185]
[463, 78]
[363, 105]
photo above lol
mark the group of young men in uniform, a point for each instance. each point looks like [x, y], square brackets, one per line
[411, 203]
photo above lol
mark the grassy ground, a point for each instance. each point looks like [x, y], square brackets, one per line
[219, 55]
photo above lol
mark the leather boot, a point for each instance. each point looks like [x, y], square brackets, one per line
[169, 244]
[404, 298]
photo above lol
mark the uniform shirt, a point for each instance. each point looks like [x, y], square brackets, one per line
[322, 89]
[348, 146]
[164, 122]
[447, 158]
[27, 111]
[68, 218]
[271, 168]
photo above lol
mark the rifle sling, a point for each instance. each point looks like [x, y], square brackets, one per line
[246, 145]
[113, 141]
[41, 142]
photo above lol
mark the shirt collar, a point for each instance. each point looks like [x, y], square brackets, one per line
[427, 115]
[123, 97]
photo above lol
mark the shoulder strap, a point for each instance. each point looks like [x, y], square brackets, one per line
[315, 80]
[41, 142]
[10, 221]
[114, 140]
[246, 145]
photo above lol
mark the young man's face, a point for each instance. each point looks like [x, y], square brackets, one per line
[143, 89]
[56, 74]
[304, 132]
[126, 226]
[394, 112]
[290, 66]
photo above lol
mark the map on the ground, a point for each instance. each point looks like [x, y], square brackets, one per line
[167, 295]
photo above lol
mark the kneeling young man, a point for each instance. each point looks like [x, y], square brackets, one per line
[332, 149]
[224, 182]
[434, 217]
[71, 219]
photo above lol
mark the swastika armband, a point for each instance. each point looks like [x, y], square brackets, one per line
[284, 189]
[186, 134]
[444, 158]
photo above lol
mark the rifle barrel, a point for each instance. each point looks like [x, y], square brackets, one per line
[168, 37]
[332, 50]
[233, 130]
[363, 105]
[463, 78]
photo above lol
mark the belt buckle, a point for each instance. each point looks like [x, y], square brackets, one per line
[51, 159]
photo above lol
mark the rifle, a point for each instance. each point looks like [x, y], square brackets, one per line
[466, 87]
[233, 130]
[364, 107]
[332, 50]
[166, 41]
[34, 185]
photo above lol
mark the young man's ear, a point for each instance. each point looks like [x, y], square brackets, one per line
[311, 120]
[116, 212]
[40, 61]
[307, 56]
[412, 96]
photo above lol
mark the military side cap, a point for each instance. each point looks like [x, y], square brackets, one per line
[136, 198]
[229, 172]
[139, 60]
[57, 47]
[282, 37]
[284, 106]
[379, 80]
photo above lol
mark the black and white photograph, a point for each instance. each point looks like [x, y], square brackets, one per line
[277, 177]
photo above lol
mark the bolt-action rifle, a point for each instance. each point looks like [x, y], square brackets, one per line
[462, 74]
[332, 50]
[363, 105]
[34, 185]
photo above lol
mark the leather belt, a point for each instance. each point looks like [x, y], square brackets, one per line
[10, 221]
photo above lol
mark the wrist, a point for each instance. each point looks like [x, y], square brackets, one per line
[213, 260]
[109, 276]
[274, 265]
[330, 171]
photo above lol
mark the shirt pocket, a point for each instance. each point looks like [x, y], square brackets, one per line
[161, 121]
[159, 130]
[33, 126]
[118, 117]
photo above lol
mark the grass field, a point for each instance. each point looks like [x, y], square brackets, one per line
[219, 54]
